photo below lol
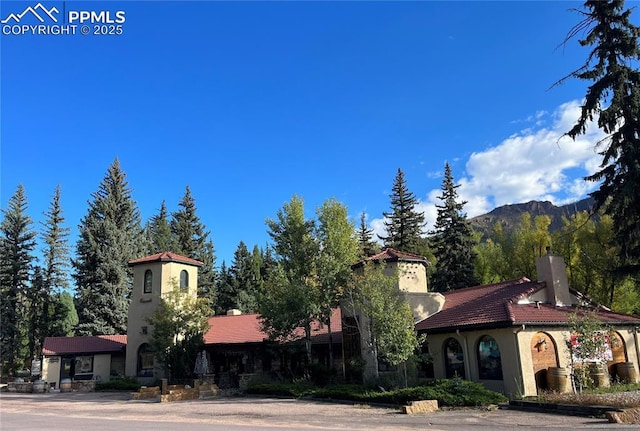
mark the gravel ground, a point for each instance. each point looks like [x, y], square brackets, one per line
[112, 411]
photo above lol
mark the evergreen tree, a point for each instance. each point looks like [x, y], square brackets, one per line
[159, 232]
[367, 245]
[64, 317]
[614, 99]
[37, 312]
[452, 240]
[404, 223]
[192, 240]
[17, 243]
[110, 236]
[56, 262]
[245, 280]
[225, 291]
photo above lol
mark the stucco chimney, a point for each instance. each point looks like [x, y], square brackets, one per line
[234, 312]
[551, 269]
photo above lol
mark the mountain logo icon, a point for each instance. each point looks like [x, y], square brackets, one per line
[39, 11]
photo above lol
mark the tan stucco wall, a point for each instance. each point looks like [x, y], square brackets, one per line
[102, 367]
[413, 277]
[165, 276]
[51, 369]
[424, 304]
[515, 352]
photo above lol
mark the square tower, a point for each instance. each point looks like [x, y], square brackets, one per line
[153, 277]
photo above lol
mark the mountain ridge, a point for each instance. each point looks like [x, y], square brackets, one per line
[510, 215]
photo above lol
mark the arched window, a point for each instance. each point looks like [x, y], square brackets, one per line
[148, 281]
[489, 362]
[454, 359]
[184, 279]
[145, 361]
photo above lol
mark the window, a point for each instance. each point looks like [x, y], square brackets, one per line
[84, 364]
[148, 280]
[145, 361]
[184, 279]
[454, 359]
[489, 362]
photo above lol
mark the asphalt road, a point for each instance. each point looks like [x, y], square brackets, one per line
[114, 411]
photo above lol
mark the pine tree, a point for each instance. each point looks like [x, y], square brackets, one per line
[614, 99]
[404, 223]
[17, 243]
[37, 312]
[159, 232]
[56, 262]
[64, 317]
[367, 245]
[192, 240]
[452, 240]
[244, 279]
[225, 291]
[110, 236]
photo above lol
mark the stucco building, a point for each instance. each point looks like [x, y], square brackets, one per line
[506, 335]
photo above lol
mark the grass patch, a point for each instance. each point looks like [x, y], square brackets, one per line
[449, 392]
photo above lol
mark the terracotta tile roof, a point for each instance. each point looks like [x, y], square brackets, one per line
[548, 314]
[393, 255]
[496, 305]
[76, 345]
[246, 328]
[166, 256]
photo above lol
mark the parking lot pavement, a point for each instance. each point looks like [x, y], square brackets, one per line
[106, 409]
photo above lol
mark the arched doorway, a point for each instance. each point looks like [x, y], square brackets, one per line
[453, 359]
[544, 356]
[618, 352]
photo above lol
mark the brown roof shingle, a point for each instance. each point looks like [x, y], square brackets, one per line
[166, 256]
[246, 328]
[91, 344]
[496, 305]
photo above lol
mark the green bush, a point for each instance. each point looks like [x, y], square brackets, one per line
[122, 384]
[451, 392]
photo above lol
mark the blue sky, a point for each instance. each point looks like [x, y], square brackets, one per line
[249, 103]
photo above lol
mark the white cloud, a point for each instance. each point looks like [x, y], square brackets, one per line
[537, 163]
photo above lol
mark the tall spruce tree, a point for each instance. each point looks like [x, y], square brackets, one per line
[225, 291]
[367, 246]
[159, 232]
[37, 312]
[452, 240]
[245, 279]
[614, 99]
[55, 277]
[17, 244]
[110, 236]
[403, 223]
[192, 240]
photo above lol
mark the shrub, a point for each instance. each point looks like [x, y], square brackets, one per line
[121, 384]
[451, 392]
